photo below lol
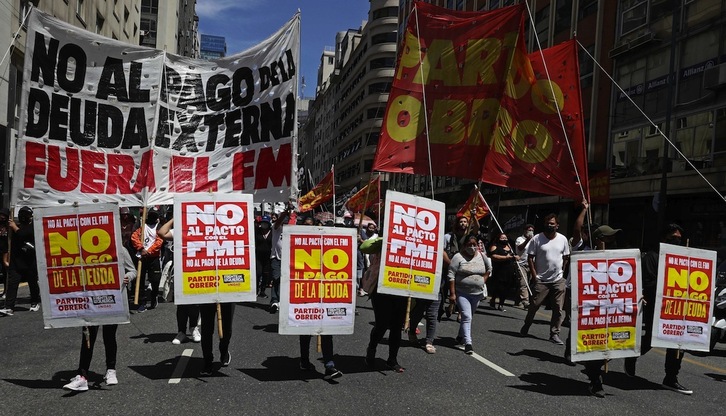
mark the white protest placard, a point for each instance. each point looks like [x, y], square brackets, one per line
[317, 285]
[214, 254]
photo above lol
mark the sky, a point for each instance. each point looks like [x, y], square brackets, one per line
[245, 23]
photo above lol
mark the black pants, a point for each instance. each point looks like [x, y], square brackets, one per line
[390, 313]
[326, 344]
[184, 314]
[14, 278]
[151, 269]
[109, 343]
[208, 312]
[673, 356]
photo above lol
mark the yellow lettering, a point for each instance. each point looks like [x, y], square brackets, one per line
[481, 55]
[446, 125]
[404, 119]
[522, 144]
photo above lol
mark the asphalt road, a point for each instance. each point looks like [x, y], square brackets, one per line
[508, 374]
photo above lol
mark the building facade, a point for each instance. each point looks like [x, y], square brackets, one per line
[170, 25]
[212, 47]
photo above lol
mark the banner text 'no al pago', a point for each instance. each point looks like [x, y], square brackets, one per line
[105, 121]
[81, 273]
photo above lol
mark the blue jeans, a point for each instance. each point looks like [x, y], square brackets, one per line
[428, 308]
[467, 305]
[276, 272]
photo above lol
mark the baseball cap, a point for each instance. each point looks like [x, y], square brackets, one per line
[265, 218]
[604, 231]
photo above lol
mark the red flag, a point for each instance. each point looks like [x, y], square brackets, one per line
[475, 202]
[365, 198]
[322, 192]
[529, 149]
[465, 57]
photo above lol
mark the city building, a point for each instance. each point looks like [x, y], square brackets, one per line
[116, 19]
[212, 47]
[170, 25]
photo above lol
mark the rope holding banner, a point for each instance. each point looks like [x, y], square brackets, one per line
[219, 320]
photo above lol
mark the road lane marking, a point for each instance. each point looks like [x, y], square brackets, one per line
[492, 365]
[181, 365]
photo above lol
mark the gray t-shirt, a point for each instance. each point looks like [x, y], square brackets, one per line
[547, 255]
[469, 274]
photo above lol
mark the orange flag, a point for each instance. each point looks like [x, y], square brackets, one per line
[322, 192]
[365, 198]
[475, 202]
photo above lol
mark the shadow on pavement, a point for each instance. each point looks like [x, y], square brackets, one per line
[552, 385]
[541, 356]
[717, 377]
[164, 370]
[622, 381]
[155, 338]
[273, 328]
[59, 379]
[279, 368]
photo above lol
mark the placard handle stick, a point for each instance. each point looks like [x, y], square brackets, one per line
[219, 320]
[406, 325]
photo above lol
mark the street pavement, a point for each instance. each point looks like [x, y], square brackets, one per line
[507, 375]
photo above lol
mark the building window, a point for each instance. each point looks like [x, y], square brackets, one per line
[542, 24]
[99, 23]
[587, 7]
[150, 6]
[379, 88]
[384, 12]
[634, 17]
[587, 66]
[388, 62]
[563, 15]
[389, 37]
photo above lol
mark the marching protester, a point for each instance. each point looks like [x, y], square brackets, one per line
[128, 226]
[548, 254]
[22, 262]
[276, 257]
[453, 240]
[673, 234]
[208, 312]
[370, 231]
[4, 230]
[88, 340]
[468, 272]
[263, 250]
[504, 270]
[147, 244]
[523, 273]
[389, 312]
[326, 345]
[185, 314]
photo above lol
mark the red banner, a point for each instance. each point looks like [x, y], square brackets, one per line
[364, 198]
[600, 187]
[322, 192]
[459, 61]
[530, 150]
[476, 203]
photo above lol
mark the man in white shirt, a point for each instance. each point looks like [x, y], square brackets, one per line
[548, 254]
[521, 246]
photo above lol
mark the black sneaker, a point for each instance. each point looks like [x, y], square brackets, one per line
[674, 385]
[630, 367]
[595, 388]
[331, 373]
[371, 358]
[226, 359]
[207, 371]
[274, 307]
[306, 366]
[154, 303]
[468, 349]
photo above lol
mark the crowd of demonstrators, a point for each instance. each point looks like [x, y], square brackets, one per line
[673, 234]
[278, 224]
[520, 245]
[468, 272]
[88, 340]
[128, 226]
[22, 262]
[389, 312]
[147, 244]
[548, 254]
[187, 316]
[504, 272]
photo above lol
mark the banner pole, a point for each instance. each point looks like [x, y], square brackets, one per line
[407, 324]
[320, 343]
[138, 265]
[219, 320]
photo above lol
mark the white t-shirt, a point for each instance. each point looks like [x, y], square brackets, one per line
[523, 252]
[547, 255]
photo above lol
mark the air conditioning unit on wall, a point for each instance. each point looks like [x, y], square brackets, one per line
[714, 77]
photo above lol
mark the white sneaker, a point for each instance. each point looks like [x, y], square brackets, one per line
[78, 383]
[35, 307]
[110, 377]
[180, 337]
[6, 311]
[196, 334]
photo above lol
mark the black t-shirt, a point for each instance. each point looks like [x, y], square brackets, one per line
[22, 248]
[263, 245]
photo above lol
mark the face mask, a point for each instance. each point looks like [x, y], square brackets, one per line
[502, 242]
[673, 240]
[470, 250]
[529, 234]
[551, 228]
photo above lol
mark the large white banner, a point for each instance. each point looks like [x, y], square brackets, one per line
[317, 285]
[214, 252]
[80, 268]
[684, 298]
[106, 121]
[413, 242]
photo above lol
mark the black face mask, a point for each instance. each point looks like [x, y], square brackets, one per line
[501, 243]
[676, 241]
[551, 228]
